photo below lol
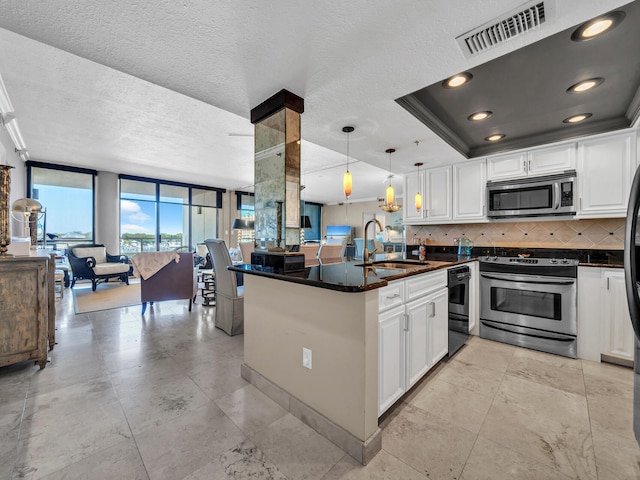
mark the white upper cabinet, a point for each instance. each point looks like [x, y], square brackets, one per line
[551, 159]
[507, 166]
[438, 194]
[469, 187]
[541, 161]
[435, 186]
[605, 170]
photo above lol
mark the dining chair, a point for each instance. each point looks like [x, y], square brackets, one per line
[229, 296]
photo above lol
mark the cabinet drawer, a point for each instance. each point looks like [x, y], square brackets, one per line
[391, 295]
[421, 285]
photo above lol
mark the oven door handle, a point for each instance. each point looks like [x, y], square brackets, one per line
[528, 279]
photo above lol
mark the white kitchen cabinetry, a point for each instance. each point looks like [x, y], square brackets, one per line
[418, 358]
[469, 192]
[412, 336]
[438, 326]
[502, 167]
[391, 340]
[438, 194]
[605, 170]
[435, 186]
[604, 326]
[617, 332]
[549, 160]
[541, 161]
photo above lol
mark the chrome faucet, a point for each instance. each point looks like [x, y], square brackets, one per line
[367, 254]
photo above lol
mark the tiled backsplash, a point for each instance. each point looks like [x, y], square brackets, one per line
[602, 233]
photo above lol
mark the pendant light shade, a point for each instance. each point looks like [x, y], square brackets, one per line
[347, 183]
[347, 180]
[418, 197]
[389, 200]
[390, 195]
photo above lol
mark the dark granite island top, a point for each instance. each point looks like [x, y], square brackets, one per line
[353, 276]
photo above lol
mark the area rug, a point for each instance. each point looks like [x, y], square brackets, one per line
[106, 297]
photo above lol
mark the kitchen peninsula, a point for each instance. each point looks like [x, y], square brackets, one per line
[311, 343]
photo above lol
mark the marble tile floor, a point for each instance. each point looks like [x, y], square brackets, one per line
[160, 397]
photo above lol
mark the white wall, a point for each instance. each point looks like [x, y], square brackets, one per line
[107, 211]
[18, 174]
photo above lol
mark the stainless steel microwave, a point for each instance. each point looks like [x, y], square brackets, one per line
[533, 196]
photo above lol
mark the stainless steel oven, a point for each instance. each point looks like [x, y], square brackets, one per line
[530, 302]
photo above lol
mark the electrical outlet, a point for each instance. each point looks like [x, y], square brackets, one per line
[306, 358]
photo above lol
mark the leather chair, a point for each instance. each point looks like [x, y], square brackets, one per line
[174, 281]
[229, 296]
[92, 262]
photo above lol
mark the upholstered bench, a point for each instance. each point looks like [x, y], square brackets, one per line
[92, 262]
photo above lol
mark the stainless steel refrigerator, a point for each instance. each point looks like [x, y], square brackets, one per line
[632, 274]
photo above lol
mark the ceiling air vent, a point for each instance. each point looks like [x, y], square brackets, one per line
[505, 27]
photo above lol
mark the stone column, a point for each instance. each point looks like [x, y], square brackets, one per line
[277, 170]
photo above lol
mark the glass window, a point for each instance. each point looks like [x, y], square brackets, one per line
[162, 216]
[67, 198]
[174, 194]
[205, 198]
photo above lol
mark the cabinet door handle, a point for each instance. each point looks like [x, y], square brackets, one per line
[433, 309]
[529, 166]
[607, 283]
[406, 322]
[524, 166]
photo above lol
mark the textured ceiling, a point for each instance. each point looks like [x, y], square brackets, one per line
[164, 88]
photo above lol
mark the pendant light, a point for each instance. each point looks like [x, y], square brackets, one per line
[389, 205]
[347, 181]
[418, 197]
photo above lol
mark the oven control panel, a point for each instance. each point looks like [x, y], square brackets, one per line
[529, 261]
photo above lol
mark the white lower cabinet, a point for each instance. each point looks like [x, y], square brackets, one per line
[617, 332]
[391, 340]
[412, 337]
[438, 326]
[604, 325]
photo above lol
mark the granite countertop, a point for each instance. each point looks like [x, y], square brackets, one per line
[352, 276]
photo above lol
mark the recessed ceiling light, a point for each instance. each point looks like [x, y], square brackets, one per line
[597, 26]
[457, 80]
[495, 137]
[585, 85]
[577, 118]
[476, 117]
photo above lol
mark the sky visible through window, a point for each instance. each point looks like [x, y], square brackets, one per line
[140, 217]
[69, 210]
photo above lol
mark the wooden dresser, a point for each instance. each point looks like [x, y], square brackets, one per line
[25, 311]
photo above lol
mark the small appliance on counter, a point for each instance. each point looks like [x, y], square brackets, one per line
[280, 261]
[465, 247]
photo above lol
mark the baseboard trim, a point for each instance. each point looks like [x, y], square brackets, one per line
[361, 451]
[625, 362]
